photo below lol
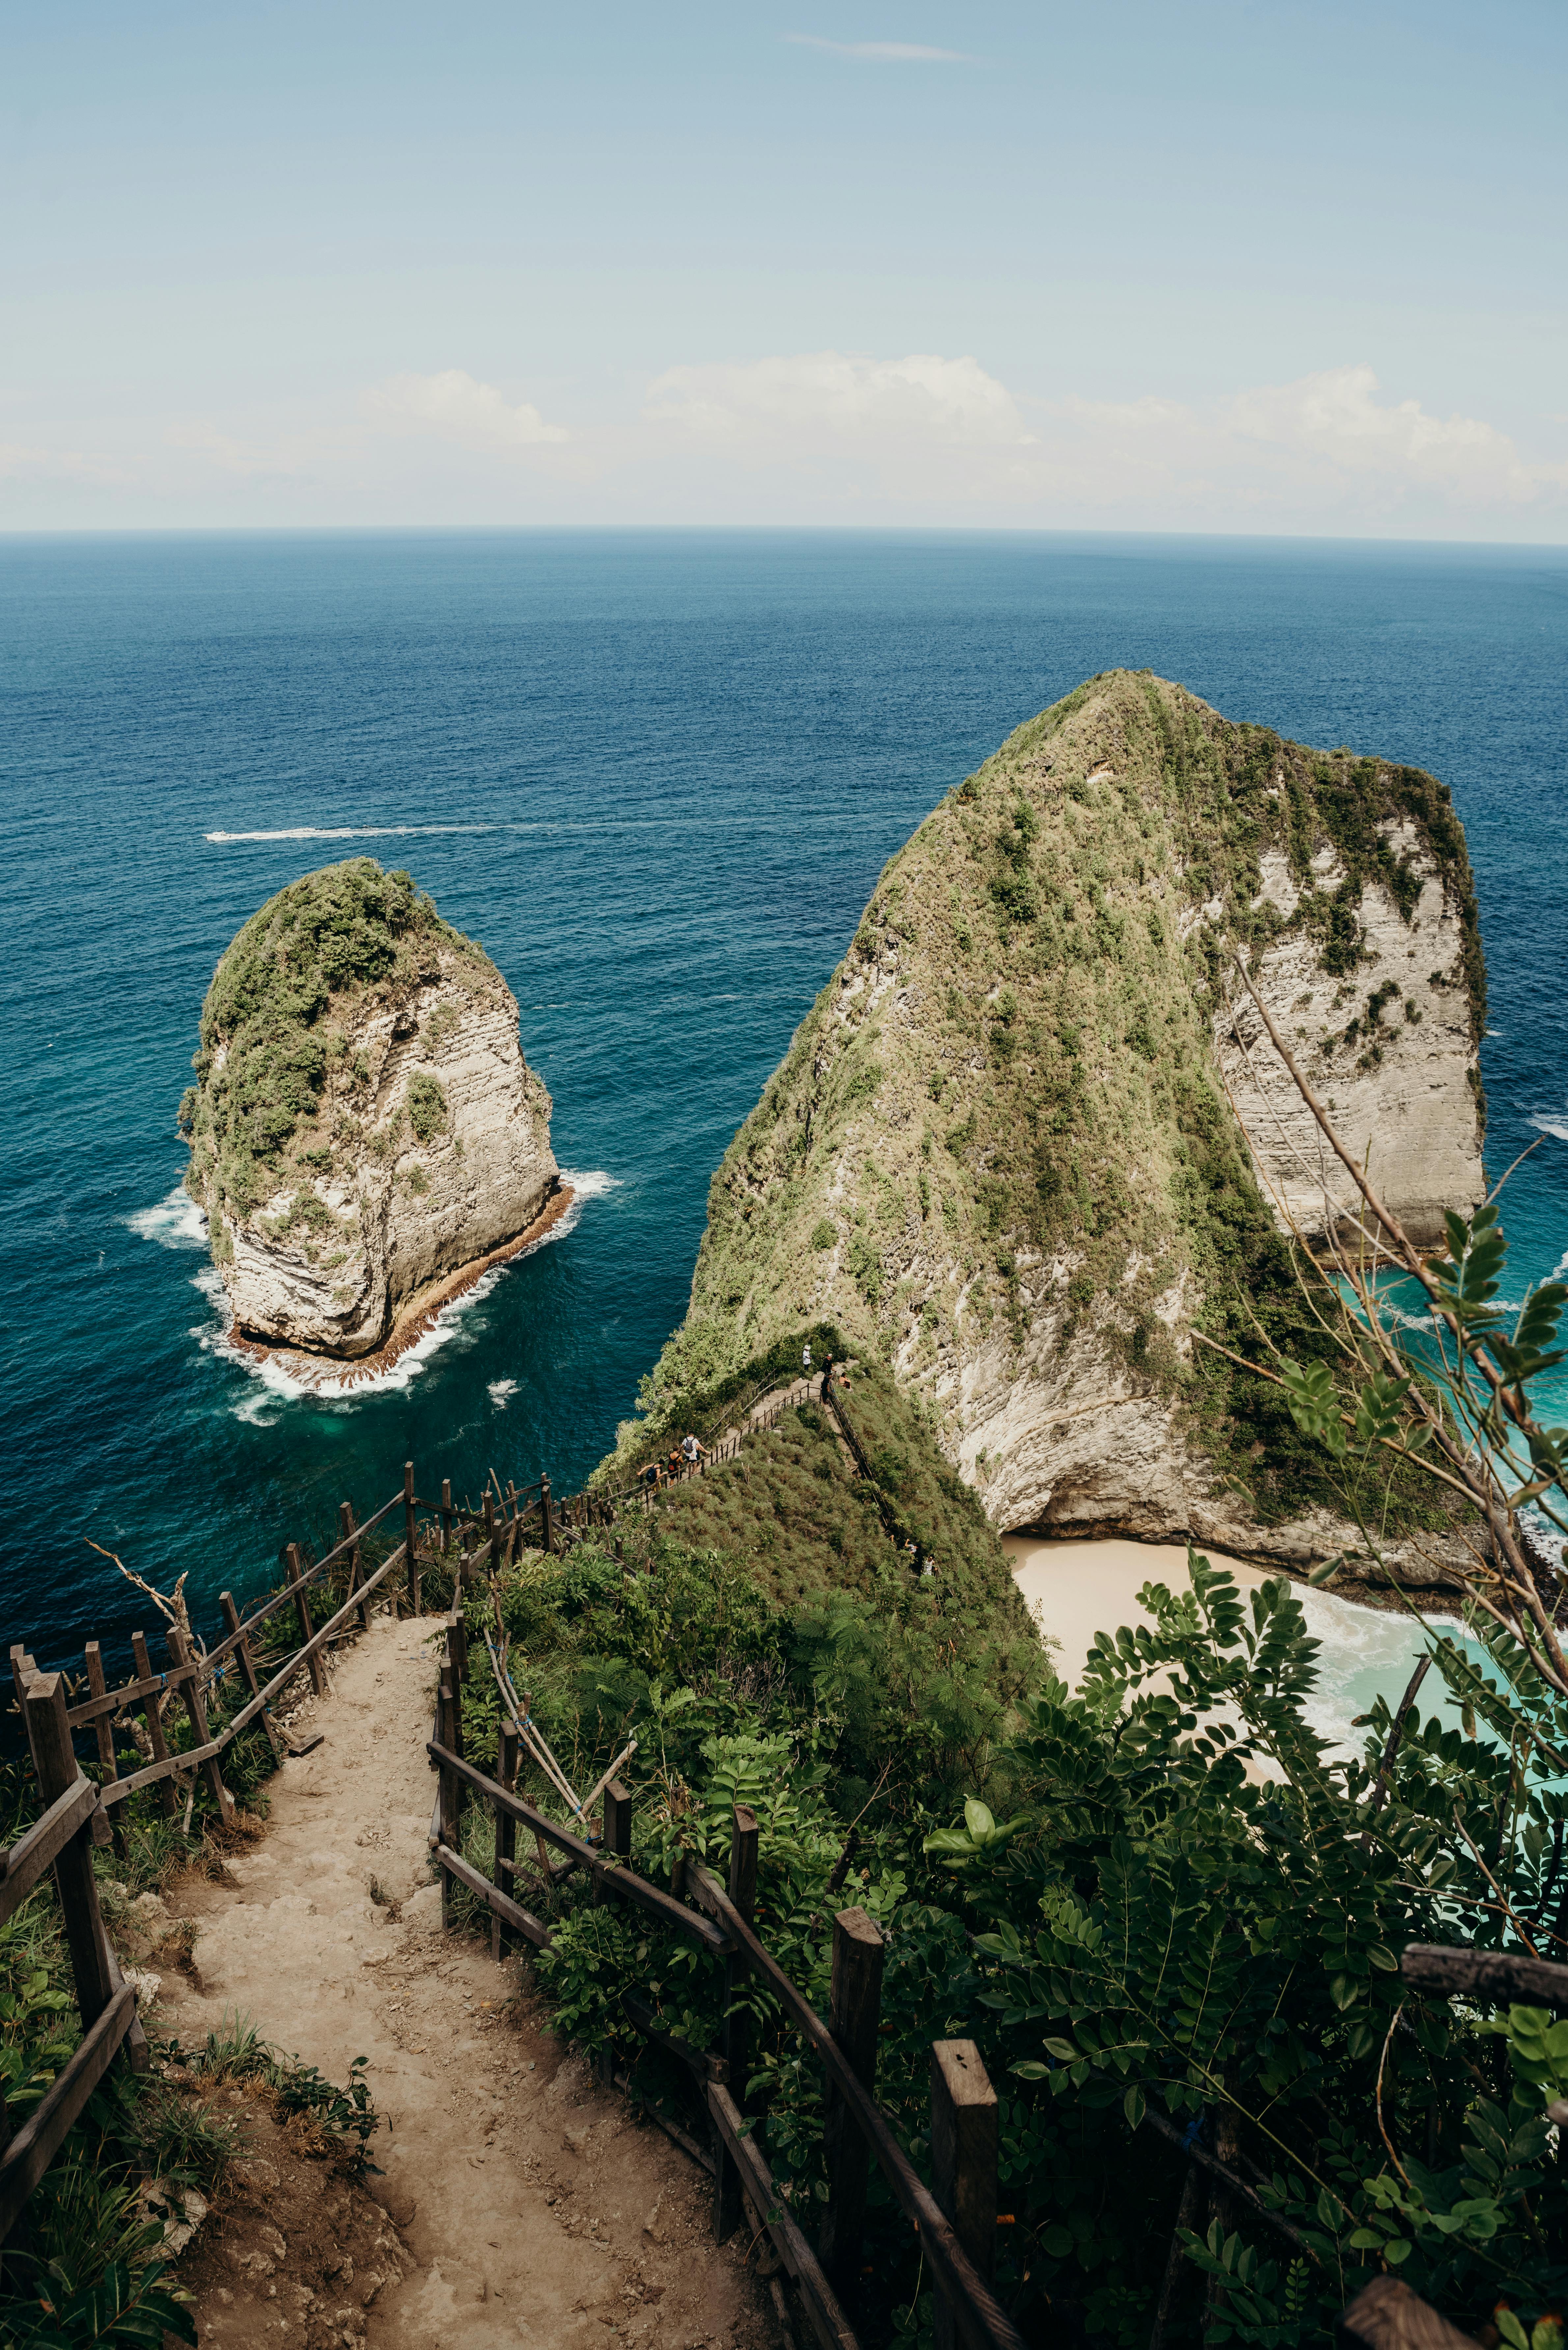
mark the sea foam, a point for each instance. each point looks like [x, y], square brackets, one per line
[348, 832]
[177, 1222]
[339, 1387]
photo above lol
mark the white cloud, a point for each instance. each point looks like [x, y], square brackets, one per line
[1333, 417]
[897, 53]
[1324, 447]
[818, 436]
[830, 399]
[455, 406]
[941, 439]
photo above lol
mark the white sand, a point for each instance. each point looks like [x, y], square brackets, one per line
[1075, 1589]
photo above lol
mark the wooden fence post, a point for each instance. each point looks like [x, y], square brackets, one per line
[247, 1667]
[1389, 2315]
[411, 1539]
[857, 2009]
[179, 1649]
[103, 1730]
[450, 1731]
[355, 1563]
[500, 1939]
[55, 1759]
[744, 1894]
[617, 1820]
[167, 1801]
[616, 1839]
[549, 1532]
[963, 2162]
[306, 1628]
[455, 1671]
[21, 1666]
[492, 1532]
[445, 1514]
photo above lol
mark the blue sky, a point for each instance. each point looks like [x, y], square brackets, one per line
[1228, 266]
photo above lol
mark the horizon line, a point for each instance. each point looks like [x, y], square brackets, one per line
[18, 534]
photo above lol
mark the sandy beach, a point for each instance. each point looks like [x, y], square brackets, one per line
[1075, 1589]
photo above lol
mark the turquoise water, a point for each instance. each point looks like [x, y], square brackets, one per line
[657, 775]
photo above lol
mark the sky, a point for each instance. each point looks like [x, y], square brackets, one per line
[1224, 265]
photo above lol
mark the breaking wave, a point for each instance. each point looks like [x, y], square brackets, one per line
[177, 1222]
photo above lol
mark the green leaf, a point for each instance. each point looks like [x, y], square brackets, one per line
[977, 1818]
[1134, 2106]
[1314, 1404]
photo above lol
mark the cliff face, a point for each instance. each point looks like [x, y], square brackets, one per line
[364, 1126]
[1000, 1152]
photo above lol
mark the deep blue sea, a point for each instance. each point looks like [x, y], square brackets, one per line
[656, 774]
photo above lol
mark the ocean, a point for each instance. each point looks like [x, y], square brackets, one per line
[656, 773]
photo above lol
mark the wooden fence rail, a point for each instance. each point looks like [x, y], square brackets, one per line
[955, 2218]
[78, 1814]
[62, 1839]
[954, 2235]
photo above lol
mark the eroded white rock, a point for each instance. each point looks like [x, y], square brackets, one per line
[365, 1131]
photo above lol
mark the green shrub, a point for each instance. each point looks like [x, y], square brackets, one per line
[428, 1113]
[267, 1048]
[866, 1266]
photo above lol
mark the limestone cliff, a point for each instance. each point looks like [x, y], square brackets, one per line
[1000, 1150]
[364, 1126]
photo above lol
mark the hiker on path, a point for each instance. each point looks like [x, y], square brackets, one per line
[693, 1450]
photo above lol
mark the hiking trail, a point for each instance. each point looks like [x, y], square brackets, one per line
[529, 2205]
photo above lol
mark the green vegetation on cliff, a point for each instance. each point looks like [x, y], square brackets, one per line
[1001, 1128]
[267, 1037]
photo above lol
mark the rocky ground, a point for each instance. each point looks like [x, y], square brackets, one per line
[517, 2200]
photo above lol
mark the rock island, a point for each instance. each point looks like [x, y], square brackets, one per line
[1031, 1144]
[365, 1136]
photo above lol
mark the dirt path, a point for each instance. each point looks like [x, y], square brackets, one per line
[530, 2206]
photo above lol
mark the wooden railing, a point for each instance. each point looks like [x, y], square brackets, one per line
[62, 1840]
[189, 1677]
[955, 2218]
[956, 2223]
[778, 1400]
[76, 1814]
[751, 1413]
